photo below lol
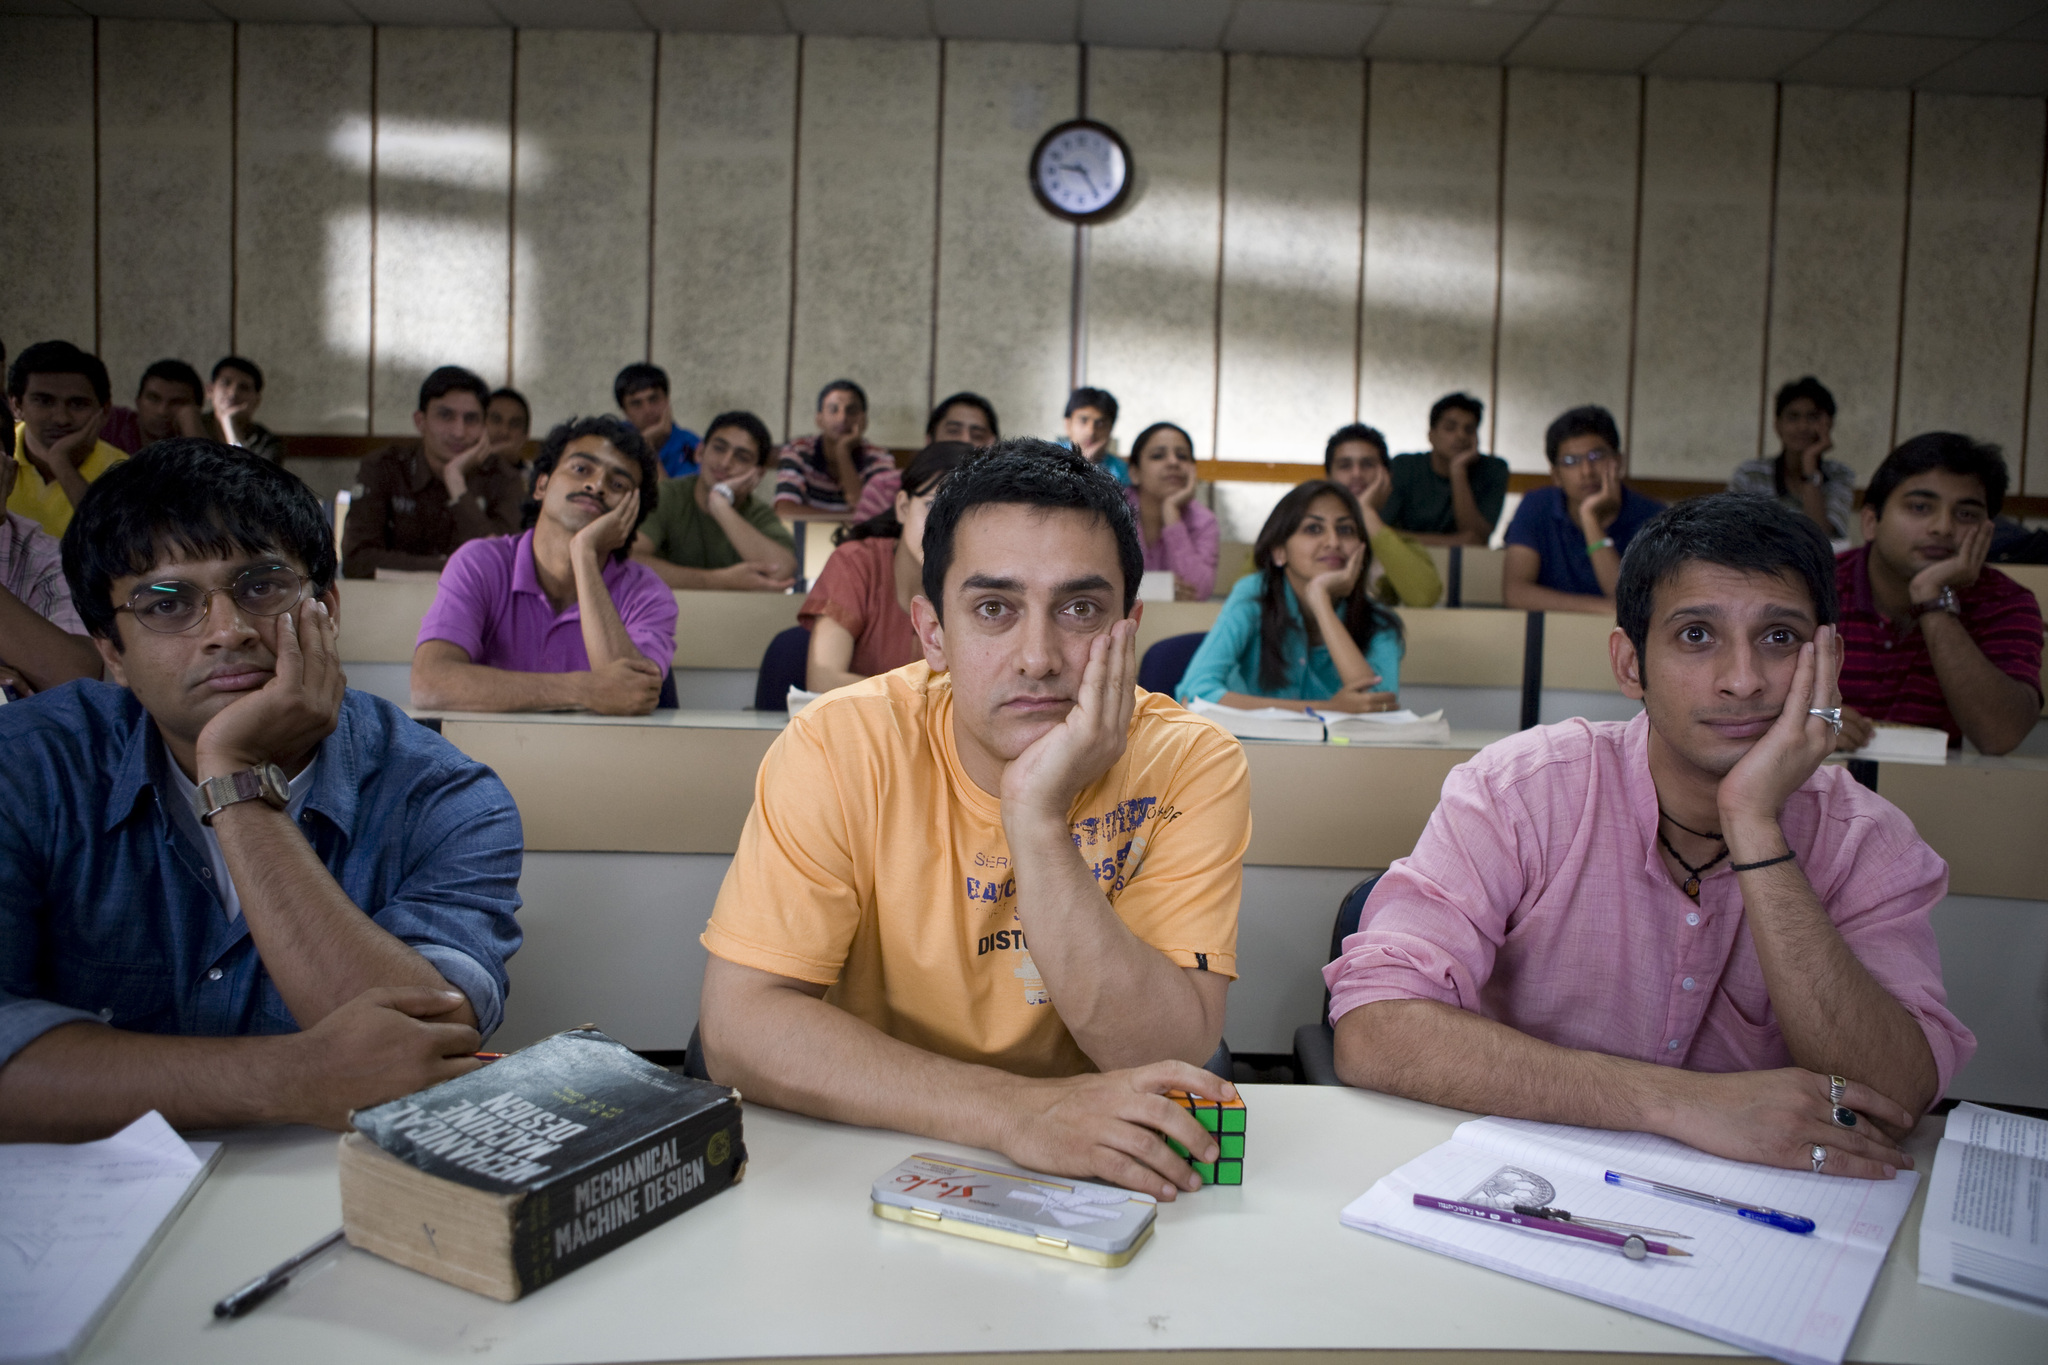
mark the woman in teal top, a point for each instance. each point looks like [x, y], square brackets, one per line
[1348, 658]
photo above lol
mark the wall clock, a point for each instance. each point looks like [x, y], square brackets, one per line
[1081, 171]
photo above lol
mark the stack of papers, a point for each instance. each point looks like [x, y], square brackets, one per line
[1984, 1231]
[1795, 1297]
[1906, 744]
[77, 1221]
[1317, 727]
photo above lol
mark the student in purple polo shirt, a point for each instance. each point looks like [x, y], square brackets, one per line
[557, 618]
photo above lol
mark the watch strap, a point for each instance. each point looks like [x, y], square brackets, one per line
[216, 794]
[1945, 600]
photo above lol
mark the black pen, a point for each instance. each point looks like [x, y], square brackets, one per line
[271, 1280]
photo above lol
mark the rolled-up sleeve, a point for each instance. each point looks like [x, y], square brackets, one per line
[647, 609]
[1436, 920]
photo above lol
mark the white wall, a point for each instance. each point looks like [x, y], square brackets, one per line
[1310, 241]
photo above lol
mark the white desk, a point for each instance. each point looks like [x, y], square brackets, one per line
[791, 1264]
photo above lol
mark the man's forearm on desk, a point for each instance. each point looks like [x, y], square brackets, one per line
[82, 1081]
[448, 685]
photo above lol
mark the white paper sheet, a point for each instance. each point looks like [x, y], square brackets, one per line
[77, 1221]
[1985, 1229]
[1793, 1297]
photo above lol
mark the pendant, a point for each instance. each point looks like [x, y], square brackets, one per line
[1692, 887]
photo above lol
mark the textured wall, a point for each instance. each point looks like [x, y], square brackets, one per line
[1307, 242]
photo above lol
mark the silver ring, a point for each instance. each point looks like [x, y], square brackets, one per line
[1831, 714]
[1836, 1086]
[1844, 1116]
[1820, 1157]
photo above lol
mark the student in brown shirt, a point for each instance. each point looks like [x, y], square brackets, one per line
[416, 501]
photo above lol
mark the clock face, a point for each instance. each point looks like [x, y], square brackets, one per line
[1081, 170]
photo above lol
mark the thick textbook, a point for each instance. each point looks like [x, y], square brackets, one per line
[1984, 1231]
[1792, 1297]
[516, 1174]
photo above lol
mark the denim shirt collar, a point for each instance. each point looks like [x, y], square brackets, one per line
[336, 780]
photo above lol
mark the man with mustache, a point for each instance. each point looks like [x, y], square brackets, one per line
[1934, 637]
[991, 897]
[232, 890]
[1680, 924]
[557, 618]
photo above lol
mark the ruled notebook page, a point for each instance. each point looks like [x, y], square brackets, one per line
[1781, 1294]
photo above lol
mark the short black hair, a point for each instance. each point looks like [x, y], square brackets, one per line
[1950, 450]
[242, 363]
[1028, 472]
[517, 397]
[843, 386]
[173, 371]
[189, 496]
[624, 437]
[1356, 431]
[1734, 530]
[750, 424]
[1809, 388]
[450, 379]
[58, 357]
[1457, 400]
[637, 376]
[974, 400]
[1589, 419]
[1102, 400]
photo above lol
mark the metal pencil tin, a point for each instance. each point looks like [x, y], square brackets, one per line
[1071, 1219]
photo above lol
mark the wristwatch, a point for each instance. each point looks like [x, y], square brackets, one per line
[1945, 600]
[1816, 478]
[266, 783]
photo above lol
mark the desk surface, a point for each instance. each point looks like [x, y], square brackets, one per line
[791, 1263]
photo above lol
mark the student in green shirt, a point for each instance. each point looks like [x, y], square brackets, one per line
[708, 530]
[1449, 494]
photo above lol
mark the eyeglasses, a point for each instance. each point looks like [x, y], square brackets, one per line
[1591, 457]
[174, 606]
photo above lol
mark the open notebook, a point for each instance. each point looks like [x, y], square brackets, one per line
[1781, 1294]
[76, 1222]
[1316, 727]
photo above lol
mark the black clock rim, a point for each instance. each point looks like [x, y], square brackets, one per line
[1038, 191]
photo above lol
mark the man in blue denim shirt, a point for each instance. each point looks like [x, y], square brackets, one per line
[231, 890]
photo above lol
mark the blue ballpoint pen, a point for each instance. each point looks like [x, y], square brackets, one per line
[1756, 1213]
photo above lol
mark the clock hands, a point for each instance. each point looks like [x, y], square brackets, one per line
[1081, 171]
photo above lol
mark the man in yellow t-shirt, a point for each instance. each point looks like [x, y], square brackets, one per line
[992, 897]
[59, 395]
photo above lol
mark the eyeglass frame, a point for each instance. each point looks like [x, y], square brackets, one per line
[1591, 457]
[206, 607]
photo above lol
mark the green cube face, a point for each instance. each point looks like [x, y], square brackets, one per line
[1206, 1170]
[1207, 1117]
[1227, 1173]
[1233, 1121]
[1232, 1145]
[1179, 1150]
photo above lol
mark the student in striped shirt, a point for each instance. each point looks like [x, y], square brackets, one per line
[1932, 636]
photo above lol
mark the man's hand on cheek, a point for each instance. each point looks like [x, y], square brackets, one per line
[289, 714]
[1048, 775]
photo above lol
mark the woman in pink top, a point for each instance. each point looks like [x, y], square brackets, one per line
[1178, 532]
[858, 612]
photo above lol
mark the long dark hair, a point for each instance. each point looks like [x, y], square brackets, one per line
[920, 477]
[1362, 617]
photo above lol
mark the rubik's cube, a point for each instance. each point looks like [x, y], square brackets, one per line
[1225, 1119]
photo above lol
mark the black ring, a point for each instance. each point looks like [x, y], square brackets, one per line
[1845, 1117]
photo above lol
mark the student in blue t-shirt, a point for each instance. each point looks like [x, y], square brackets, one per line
[1566, 541]
[1346, 657]
[641, 391]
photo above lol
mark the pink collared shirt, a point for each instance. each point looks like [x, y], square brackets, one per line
[1537, 897]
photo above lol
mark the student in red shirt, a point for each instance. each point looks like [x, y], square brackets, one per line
[1932, 636]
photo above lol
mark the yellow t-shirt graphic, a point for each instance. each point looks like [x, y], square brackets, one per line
[873, 864]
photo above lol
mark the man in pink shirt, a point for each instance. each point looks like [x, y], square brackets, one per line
[557, 618]
[1681, 924]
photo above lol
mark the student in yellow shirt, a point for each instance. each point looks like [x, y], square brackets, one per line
[991, 897]
[59, 395]
[1356, 457]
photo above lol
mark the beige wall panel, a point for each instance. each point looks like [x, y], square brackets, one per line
[1566, 253]
[866, 202]
[726, 156]
[444, 178]
[1006, 266]
[2031, 475]
[579, 262]
[302, 239]
[1704, 277]
[46, 107]
[1834, 289]
[166, 183]
[1970, 267]
[1290, 256]
[1431, 213]
[1151, 273]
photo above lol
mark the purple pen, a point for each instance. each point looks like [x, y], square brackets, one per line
[1632, 1245]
